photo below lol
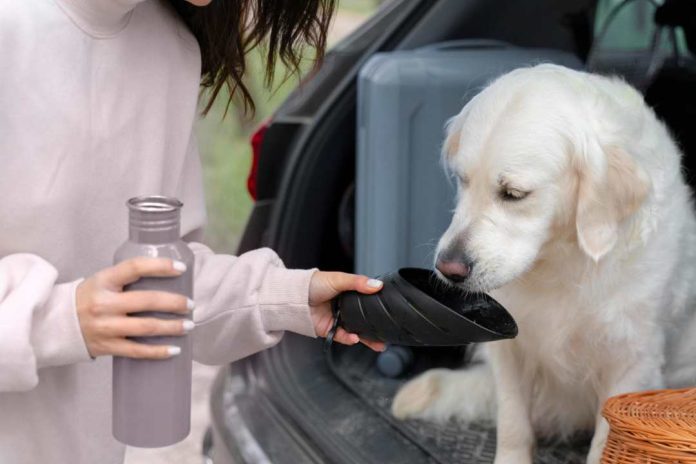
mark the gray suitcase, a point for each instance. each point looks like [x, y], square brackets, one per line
[403, 196]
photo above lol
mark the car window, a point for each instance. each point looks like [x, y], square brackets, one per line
[621, 25]
[632, 28]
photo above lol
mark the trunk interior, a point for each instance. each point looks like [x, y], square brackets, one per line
[336, 406]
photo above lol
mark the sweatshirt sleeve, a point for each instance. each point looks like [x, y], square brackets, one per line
[244, 304]
[39, 326]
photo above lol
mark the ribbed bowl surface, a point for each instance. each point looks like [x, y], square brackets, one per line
[415, 308]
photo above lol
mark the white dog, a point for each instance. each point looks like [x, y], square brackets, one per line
[574, 214]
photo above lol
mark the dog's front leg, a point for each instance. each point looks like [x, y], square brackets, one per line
[514, 391]
[644, 374]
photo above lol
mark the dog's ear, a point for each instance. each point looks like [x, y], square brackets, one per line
[608, 192]
[453, 131]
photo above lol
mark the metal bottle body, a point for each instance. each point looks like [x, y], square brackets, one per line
[152, 398]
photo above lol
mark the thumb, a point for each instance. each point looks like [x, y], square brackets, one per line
[343, 282]
[326, 285]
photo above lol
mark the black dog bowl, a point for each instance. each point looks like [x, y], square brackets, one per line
[415, 308]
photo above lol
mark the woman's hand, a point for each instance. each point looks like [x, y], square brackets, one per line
[323, 287]
[103, 308]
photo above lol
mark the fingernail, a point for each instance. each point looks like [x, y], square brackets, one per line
[188, 325]
[173, 350]
[190, 304]
[374, 283]
[179, 266]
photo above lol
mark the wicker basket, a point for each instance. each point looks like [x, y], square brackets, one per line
[652, 427]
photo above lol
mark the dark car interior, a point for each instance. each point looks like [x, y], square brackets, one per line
[301, 403]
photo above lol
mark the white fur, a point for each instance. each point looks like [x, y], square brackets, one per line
[604, 303]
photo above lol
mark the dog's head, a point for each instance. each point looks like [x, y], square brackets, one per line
[538, 156]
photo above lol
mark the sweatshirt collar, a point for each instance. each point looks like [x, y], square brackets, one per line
[99, 18]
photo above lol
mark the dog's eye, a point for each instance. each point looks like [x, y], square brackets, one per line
[510, 194]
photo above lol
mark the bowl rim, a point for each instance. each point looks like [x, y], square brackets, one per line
[399, 280]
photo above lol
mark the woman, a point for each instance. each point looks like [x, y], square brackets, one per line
[97, 104]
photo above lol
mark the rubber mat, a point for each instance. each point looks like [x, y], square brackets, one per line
[454, 442]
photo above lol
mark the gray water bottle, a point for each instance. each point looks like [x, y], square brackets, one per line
[152, 398]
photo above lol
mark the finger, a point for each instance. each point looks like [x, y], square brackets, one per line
[131, 349]
[373, 345]
[369, 285]
[149, 326]
[323, 326]
[343, 282]
[151, 300]
[346, 338]
[130, 270]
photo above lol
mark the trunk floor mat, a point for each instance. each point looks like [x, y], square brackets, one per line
[452, 442]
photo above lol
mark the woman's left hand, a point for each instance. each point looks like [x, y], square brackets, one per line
[323, 287]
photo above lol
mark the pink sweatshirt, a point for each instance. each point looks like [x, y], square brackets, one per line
[97, 104]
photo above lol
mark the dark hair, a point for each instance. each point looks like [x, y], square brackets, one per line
[227, 30]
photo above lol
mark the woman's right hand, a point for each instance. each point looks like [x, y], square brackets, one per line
[103, 308]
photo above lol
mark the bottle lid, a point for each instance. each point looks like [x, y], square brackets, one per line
[154, 213]
[154, 203]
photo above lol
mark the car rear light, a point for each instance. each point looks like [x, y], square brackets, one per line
[256, 144]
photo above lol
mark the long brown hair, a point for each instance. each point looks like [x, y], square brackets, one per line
[227, 30]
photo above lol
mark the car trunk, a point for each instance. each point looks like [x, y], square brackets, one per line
[334, 407]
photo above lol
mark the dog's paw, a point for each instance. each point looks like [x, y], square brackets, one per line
[440, 394]
[596, 450]
[594, 457]
[521, 456]
[599, 441]
[415, 398]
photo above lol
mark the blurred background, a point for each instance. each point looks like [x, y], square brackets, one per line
[226, 156]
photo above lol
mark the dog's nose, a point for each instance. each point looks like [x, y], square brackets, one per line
[456, 270]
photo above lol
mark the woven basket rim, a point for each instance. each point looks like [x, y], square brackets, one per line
[658, 425]
[674, 404]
